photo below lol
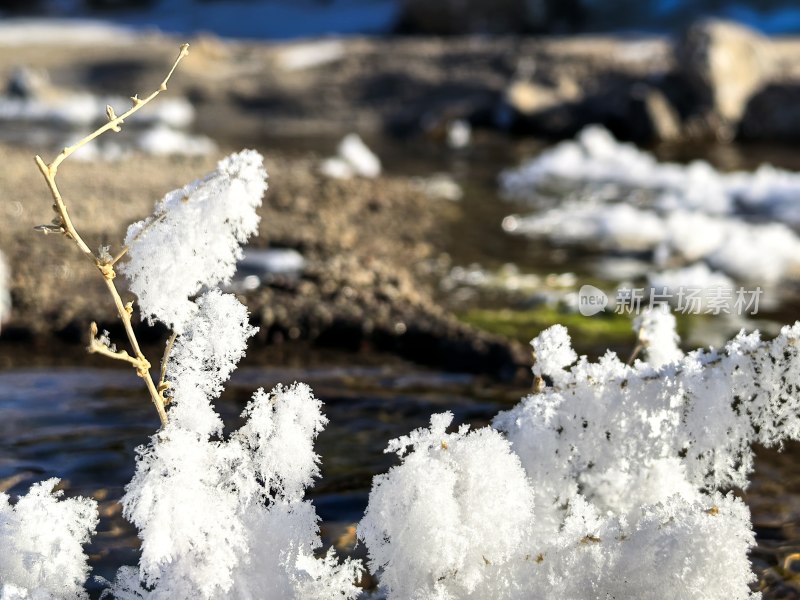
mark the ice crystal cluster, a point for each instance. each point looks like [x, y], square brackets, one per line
[628, 201]
[610, 482]
[226, 518]
[41, 544]
[193, 239]
[459, 505]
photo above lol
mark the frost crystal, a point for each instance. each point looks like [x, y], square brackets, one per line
[203, 357]
[625, 465]
[553, 353]
[227, 518]
[193, 238]
[41, 544]
[630, 438]
[447, 521]
[656, 330]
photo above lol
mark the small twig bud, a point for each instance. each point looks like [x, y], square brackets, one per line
[107, 270]
[48, 229]
[112, 116]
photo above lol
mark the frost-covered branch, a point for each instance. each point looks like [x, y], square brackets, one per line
[63, 224]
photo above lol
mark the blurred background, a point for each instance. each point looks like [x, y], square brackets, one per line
[277, 18]
[445, 178]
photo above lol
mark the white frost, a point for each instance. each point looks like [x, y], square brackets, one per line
[227, 518]
[41, 544]
[440, 525]
[193, 238]
[202, 359]
[655, 329]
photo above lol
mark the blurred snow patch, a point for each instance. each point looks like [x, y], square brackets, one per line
[299, 57]
[83, 109]
[698, 276]
[615, 227]
[595, 156]
[63, 32]
[737, 223]
[459, 134]
[439, 186]
[5, 293]
[40, 112]
[353, 158]
[162, 140]
[155, 141]
[257, 267]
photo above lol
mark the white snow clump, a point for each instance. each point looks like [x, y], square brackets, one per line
[353, 159]
[628, 466]
[204, 357]
[193, 238]
[227, 518]
[655, 328]
[41, 542]
[634, 203]
[451, 520]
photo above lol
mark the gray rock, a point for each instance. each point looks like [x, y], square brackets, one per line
[26, 82]
[773, 114]
[725, 63]
[652, 117]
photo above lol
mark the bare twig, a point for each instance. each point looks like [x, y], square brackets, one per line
[163, 384]
[63, 224]
[636, 351]
[97, 346]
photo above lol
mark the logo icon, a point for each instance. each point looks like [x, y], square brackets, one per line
[591, 300]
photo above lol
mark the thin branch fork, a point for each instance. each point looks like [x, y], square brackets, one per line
[63, 224]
